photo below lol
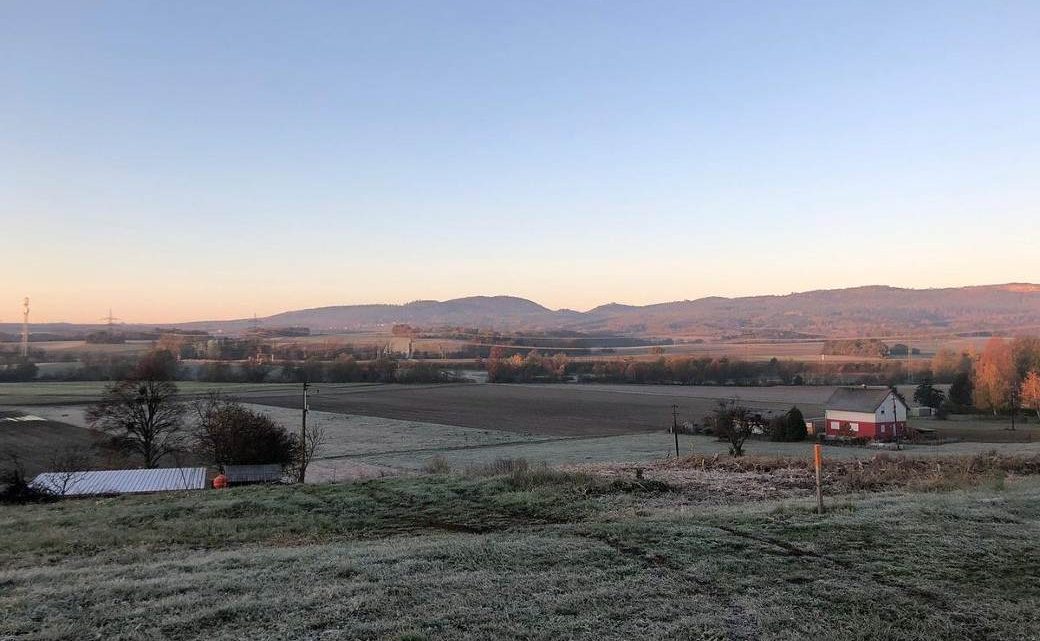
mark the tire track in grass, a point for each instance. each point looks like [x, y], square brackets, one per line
[740, 625]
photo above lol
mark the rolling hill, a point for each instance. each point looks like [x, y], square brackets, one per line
[855, 311]
[858, 311]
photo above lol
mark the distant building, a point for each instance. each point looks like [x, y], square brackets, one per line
[107, 482]
[866, 412]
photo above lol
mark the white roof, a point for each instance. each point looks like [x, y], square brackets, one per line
[95, 482]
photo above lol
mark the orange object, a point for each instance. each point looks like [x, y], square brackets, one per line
[818, 456]
[220, 482]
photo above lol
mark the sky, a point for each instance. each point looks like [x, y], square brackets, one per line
[210, 160]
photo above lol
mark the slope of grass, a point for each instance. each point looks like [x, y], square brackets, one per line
[527, 555]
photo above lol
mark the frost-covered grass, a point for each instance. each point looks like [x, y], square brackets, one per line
[529, 553]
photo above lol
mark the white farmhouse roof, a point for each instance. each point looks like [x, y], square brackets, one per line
[96, 482]
[858, 399]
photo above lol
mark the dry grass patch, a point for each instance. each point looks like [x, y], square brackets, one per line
[880, 472]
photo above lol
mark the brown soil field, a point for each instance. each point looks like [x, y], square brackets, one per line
[37, 443]
[557, 410]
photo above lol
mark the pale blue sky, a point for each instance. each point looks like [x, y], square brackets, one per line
[190, 159]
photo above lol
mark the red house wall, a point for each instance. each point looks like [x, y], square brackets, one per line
[879, 431]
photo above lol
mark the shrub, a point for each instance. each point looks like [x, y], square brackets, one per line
[16, 490]
[437, 465]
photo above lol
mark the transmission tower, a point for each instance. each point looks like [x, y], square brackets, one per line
[25, 328]
[110, 319]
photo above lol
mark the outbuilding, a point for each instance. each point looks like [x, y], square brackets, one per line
[110, 482]
[866, 412]
[250, 474]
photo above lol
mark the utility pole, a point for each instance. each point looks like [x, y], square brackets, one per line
[25, 328]
[895, 420]
[303, 435]
[909, 361]
[675, 428]
[1014, 402]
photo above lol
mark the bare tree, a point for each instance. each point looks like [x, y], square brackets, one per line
[143, 417]
[313, 441]
[67, 466]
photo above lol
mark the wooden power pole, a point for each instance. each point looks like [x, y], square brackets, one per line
[675, 428]
[304, 455]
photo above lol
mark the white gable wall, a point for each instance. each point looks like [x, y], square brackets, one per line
[884, 411]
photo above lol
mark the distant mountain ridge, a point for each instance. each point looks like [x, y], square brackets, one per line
[854, 311]
[858, 311]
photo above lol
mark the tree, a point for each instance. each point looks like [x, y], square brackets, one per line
[926, 394]
[948, 364]
[961, 391]
[15, 487]
[796, 430]
[227, 433]
[733, 423]
[1030, 392]
[143, 417]
[156, 365]
[307, 449]
[1026, 353]
[66, 468]
[16, 369]
[995, 376]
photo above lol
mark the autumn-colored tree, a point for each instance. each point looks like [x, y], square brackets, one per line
[1026, 350]
[1030, 392]
[947, 364]
[995, 376]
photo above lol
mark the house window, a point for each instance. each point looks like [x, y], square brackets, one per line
[834, 425]
[854, 427]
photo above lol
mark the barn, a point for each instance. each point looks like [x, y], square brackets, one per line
[866, 412]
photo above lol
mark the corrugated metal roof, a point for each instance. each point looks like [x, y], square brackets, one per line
[858, 399]
[94, 482]
[266, 473]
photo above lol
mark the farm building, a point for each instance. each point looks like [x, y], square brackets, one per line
[248, 474]
[866, 412]
[105, 482]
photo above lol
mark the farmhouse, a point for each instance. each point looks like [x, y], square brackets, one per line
[866, 412]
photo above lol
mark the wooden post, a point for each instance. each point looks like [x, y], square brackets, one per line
[818, 464]
[675, 428]
[303, 435]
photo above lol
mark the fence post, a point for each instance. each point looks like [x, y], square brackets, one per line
[818, 464]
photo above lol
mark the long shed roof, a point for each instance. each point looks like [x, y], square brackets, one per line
[265, 473]
[858, 399]
[96, 482]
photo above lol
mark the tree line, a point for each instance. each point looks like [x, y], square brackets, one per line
[686, 370]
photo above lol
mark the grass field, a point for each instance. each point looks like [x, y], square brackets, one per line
[538, 555]
[378, 430]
